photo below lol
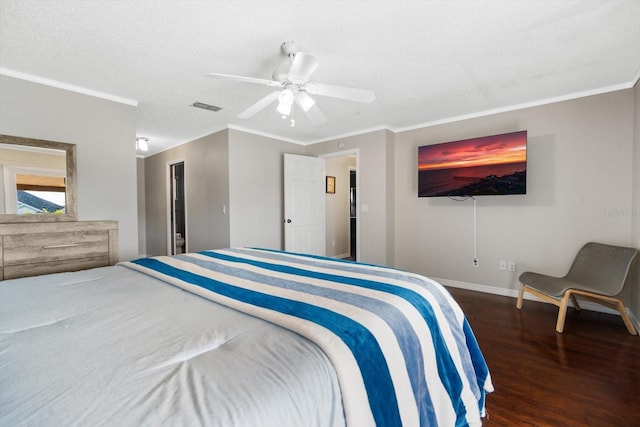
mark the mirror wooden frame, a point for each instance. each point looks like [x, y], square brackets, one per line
[71, 207]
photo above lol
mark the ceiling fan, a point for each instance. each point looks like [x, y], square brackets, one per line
[291, 78]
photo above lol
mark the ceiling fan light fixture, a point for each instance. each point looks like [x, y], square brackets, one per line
[305, 101]
[285, 101]
[292, 76]
[284, 109]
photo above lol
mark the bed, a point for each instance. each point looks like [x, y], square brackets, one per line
[237, 337]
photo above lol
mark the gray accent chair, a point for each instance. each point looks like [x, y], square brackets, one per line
[598, 273]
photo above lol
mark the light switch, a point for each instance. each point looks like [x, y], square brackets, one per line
[364, 208]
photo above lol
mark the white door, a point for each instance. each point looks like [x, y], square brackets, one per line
[304, 204]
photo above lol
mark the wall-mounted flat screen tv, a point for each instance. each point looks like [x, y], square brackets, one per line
[490, 165]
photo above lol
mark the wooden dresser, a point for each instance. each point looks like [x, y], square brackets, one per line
[31, 249]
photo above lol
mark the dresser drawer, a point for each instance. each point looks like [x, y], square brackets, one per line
[43, 248]
[32, 249]
[36, 269]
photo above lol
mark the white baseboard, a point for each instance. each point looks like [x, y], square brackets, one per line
[345, 255]
[587, 305]
[479, 288]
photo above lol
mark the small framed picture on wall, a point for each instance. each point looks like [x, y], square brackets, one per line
[331, 184]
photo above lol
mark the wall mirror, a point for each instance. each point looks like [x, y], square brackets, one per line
[37, 180]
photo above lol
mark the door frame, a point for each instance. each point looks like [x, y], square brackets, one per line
[347, 153]
[169, 204]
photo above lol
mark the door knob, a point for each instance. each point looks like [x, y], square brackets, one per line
[288, 221]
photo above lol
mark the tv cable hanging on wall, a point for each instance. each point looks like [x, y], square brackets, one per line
[476, 262]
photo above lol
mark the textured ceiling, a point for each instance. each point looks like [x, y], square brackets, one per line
[427, 62]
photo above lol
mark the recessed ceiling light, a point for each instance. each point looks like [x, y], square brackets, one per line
[142, 143]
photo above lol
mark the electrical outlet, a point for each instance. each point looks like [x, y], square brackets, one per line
[503, 265]
[512, 266]
[476, 263]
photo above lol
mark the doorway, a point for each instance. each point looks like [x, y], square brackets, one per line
[177, 230]
[342, 223]
[353, 214]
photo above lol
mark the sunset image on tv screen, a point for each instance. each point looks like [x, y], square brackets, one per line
[490, 165]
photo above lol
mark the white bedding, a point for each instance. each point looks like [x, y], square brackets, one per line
[112, 346]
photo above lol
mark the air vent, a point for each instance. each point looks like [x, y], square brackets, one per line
[206, 106]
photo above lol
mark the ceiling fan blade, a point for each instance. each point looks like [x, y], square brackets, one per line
[302, 66]
[315, 116]
[304, 101]
[244, 79]
[261, 104]
[310, 108]
[352, 94]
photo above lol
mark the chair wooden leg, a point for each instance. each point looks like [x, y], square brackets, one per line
[612, 303]
[625, 318]
[520, 295]
[575, 302]
[562, 312]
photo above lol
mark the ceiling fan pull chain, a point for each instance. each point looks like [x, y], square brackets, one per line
[293, 121]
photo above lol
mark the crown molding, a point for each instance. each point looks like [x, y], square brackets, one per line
[66, 86]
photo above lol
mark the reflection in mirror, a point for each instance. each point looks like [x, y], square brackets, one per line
[40, 193]
[37, 180]
[34, 180]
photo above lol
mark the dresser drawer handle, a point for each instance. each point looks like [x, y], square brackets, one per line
[68, 245]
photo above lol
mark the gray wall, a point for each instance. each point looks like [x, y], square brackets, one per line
[142, 215]
[233, 192]
[634, 297]
[583, 175]
[206, 192]
[391, 197]
[579, 178]
[583, 184]
[372, 190]
[256, 205]
[104, 132]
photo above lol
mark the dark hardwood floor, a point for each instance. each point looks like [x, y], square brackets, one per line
[587, 376]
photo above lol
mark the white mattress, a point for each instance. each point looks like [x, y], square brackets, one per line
[112, 346]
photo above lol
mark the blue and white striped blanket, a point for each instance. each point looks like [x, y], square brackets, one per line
[401, 347]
